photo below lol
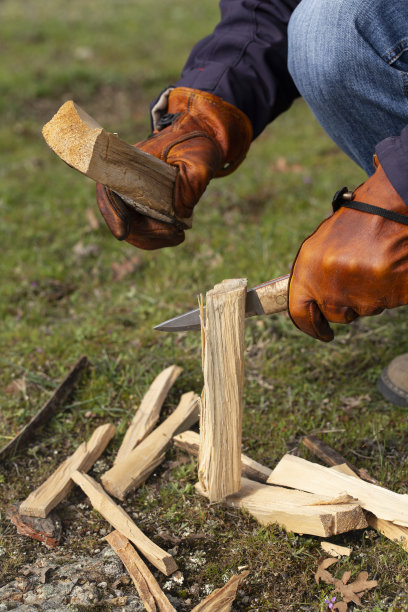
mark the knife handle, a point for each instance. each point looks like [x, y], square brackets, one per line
[273, 294]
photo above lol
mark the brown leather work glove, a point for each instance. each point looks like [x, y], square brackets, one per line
[354, 264]
[204, 137]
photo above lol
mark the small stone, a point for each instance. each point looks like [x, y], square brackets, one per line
[178, 578]
[102, 585]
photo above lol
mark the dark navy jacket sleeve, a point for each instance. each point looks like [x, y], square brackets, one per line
[244, 61]
[393, 156]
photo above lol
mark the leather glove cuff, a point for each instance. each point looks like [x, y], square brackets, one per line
[228, 126]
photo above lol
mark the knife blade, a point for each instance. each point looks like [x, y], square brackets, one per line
[269, 298]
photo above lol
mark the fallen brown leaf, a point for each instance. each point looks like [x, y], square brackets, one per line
[125, 267]
[92, 219]
[350, 592]
[17, 386]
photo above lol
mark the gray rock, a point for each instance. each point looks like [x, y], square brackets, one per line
[85, 594]
[65, 584]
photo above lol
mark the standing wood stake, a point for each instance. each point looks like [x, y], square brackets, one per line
[41, 501]
[219, 462]
[120, 520]
[131, 471]
[148, 412]
[146, 584]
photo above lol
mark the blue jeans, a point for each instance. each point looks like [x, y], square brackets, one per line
[349, 61]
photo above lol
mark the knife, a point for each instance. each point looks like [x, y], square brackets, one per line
[265, 299]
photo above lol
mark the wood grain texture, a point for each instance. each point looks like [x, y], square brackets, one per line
[295, 511]
[219, 461]
[143, 181]
[41, 501]
[221, 600]
[189, 441]
[153, 598]
[120, 520]
[59, 396]
[307, 476]
[148, 412]
[131, 471]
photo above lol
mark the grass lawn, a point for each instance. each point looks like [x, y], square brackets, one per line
[62, 296]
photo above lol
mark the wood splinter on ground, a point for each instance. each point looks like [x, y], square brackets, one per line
[153, 598]
[219, 460]
[120, 520]
[221, 599]
[131, 471]
[142, 181]
[148, 412]
[335, 550]
[41, 501]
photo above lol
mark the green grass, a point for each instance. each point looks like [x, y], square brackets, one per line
[57, 302]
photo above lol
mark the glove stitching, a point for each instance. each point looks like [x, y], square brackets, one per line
[186, 137]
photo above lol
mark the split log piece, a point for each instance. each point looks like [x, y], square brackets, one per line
[56, 400]
[46, 530]
[189, 441]
[153, 598]
[332, 457]
[219, 460]
[148, 412]
[221, 600]
[295, 510]
[396, 533]
[131, 471]
[41, 501]
[335, 550]
[120, 520]
[300, 474]
[142, 181]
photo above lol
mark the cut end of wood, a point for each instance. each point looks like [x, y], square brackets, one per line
[71, 134]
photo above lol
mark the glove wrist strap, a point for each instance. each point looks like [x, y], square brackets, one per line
[340, 200]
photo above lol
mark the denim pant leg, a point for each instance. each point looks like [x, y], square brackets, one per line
[349, 60]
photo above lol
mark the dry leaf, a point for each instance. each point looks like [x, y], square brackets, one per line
[17, 386]
[125, 267]
[92, 219]
[322, 573]
[350, 592]
[81, 250]
[341, 606]
[349, 403]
